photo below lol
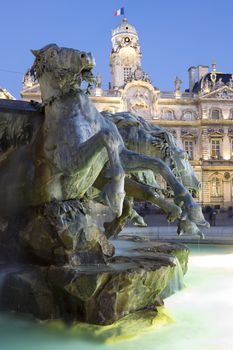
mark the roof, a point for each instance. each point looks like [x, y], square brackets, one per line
[220, 77]
[124, 28]
[5, 94]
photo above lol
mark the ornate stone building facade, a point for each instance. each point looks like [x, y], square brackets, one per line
[200, 118]
[5, 94]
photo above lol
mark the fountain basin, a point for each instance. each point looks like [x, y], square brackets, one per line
[98, 294]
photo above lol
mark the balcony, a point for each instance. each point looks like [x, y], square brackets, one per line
[171, 94]
[105, 93]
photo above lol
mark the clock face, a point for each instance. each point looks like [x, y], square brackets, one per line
[127, 39]
[138, 74]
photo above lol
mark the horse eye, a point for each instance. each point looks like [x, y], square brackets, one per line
[83, 55]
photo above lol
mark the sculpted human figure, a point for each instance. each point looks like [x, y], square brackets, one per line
[98, 81]
[177, 83]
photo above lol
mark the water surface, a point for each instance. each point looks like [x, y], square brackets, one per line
[202, 314]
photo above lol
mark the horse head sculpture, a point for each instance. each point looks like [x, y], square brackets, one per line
[61, 70]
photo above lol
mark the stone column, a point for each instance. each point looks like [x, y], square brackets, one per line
[206, 188]
[205, 142]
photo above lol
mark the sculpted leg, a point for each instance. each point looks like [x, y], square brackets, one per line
[147, 193]
[141, 192]
[116, 225]
[128, 213]
[113, 191]
[133, 161]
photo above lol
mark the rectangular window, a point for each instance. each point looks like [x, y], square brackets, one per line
[215, 149]
[127, 72]
[188, 147]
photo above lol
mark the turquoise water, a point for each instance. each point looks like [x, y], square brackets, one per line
[203, 315]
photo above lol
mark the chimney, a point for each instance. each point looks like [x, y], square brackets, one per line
[202, 70]
[192, 73]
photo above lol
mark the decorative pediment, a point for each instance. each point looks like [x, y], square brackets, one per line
[189, 133]
[224, 93]
[139, 75]
[215, 133]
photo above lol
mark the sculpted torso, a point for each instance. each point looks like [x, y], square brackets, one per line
[62, 134]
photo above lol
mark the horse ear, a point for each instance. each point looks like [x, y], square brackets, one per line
[36, 53]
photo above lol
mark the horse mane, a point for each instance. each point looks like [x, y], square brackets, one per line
[17, 129]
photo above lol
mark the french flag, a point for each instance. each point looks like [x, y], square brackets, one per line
[119, 12]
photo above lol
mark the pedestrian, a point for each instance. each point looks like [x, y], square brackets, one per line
[212, 216]
[230, 212]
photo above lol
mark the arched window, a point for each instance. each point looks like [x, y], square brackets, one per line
[168, 115]
[188, 115]
[215, 114]
[216, 187]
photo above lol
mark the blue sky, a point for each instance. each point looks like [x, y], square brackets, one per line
[174, 35]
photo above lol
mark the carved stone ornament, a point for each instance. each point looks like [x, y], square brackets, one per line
[218, 89]
[224, 94]
[139, 74]
[189, 132]
[227, 175]
[215, 132]
[139, 100]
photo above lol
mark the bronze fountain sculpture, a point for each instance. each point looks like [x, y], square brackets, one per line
[48, 165]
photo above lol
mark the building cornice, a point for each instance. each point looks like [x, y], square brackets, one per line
[223, 167]
[106, 99]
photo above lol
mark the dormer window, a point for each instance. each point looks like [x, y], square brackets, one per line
[215, 114]
[127, 72]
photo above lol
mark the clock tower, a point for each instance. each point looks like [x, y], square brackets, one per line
[125, 57]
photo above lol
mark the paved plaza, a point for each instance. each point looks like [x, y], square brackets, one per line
[159, 229]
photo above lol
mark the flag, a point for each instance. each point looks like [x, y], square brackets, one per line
[119, 12]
